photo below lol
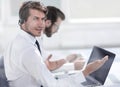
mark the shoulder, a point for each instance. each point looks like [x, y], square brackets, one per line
[21, 44]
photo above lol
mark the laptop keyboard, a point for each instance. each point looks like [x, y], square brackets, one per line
[91, 82]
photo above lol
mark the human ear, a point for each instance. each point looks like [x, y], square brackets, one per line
[48, 23]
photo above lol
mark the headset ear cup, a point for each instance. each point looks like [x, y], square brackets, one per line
[21, 21]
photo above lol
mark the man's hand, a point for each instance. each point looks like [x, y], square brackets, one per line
[71, 57]
[79, 64]
[95, 65]
[52, 65]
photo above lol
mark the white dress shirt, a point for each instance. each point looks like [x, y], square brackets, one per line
[65, 68]
[24, 66]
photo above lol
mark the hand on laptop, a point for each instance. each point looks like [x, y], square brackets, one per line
[79, 64]
[71, 58]
[98, 63]
[77, 60]
[95, 65]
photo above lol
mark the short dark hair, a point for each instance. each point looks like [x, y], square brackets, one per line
[24, 10]
[52, 15]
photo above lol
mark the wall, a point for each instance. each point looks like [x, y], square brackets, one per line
[85, 35]
[72, 36]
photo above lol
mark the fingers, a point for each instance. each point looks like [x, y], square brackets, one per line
[71, 57]
[79, 64]
[49, 57]
[79, 59]
[104, 59]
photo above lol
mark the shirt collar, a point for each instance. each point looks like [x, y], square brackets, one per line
[28, 37]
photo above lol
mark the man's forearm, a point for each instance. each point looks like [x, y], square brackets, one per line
[95, 65]
[88, 70]
[60, 63]
[53, 65]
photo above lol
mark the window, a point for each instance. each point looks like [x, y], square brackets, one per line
[56, 3]
[93, 10]
[15, 5]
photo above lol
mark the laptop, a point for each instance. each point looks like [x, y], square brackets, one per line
[98, 77]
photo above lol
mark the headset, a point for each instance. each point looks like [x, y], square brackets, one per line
[21, 21]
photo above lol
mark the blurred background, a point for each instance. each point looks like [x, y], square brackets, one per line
[88, 23]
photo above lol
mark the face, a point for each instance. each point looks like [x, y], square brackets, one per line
[35, 23]
[53, 27]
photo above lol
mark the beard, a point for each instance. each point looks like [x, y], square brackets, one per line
[48, 31]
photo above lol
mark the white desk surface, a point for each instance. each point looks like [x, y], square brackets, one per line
[113, 79]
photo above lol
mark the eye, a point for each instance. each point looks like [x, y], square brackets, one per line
[43, 19]
[35, 18]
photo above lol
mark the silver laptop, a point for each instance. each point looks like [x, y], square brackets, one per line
[98, 77]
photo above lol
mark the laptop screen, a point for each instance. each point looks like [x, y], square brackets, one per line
[102, 73]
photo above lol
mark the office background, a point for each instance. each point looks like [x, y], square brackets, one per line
[88, 23]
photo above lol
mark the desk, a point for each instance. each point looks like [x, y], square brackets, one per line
[113, 85]
[113, 79]
[114, 75]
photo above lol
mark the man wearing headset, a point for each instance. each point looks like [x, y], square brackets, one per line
[24, 65]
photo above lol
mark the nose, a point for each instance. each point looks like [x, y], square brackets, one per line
[41, 23]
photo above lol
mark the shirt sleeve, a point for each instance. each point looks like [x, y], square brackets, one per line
[35, 66]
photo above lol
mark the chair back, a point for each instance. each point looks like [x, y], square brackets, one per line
[3, 79]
